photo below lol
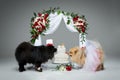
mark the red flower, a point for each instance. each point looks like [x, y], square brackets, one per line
[45, 17]
[39, 29]
[41, 20]
[78, 26]
[38, 20]
[39, 14]
[84, 24]
[75, 18]
[49, 45]
[34, 36]
[80, 21]
[35, 24]
[43, 27]
[68, 68]
[83, 29]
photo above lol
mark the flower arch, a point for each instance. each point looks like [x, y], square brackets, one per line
[48, 21]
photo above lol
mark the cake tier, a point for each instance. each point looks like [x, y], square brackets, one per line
[61, 61]
[61, 49]
[61, 58]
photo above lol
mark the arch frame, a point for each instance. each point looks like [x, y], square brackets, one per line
[48, 21]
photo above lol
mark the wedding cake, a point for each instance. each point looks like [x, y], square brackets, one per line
[61, 56]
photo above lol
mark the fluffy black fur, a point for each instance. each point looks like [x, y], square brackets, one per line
[27, 53]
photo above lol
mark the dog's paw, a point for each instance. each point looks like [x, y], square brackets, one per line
[39, 69]
[100, 67]
[21, 69]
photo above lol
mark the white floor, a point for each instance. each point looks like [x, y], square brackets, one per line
[8, 71]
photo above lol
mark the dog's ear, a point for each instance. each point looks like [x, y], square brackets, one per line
[76, 51]
[82, 56]
[51, 48]
[83, 52]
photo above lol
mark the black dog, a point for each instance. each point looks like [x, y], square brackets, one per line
[27, 53]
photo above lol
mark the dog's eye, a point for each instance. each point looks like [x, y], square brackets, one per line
[70, 52]
[70, 55]
[76, 51]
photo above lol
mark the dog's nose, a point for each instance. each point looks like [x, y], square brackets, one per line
[70, 55]
[55, 50]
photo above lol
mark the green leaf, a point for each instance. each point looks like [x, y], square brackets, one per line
[68, 17]
[32, 41]
[35, 14]
[44, 11]
[42, 34]
[32, 19]
[54, 8]
[68, 21]
[63, 12]
[33, 31]
[31, 24]
[52, 11]
[58, 12]
[72, 14]
[67, 13]
[47, 26]
[48, 12]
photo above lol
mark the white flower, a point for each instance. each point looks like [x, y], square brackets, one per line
[62, 68]
[36, 19]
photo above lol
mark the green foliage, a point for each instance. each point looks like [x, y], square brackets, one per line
[35, 14]
[58, 12]
[32, 41]
[32, 19]
[68, 21]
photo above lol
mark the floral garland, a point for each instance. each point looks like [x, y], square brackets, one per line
[40, 23]
[64, 67]
[81, 25]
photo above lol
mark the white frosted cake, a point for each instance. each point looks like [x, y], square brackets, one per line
[61, 56]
